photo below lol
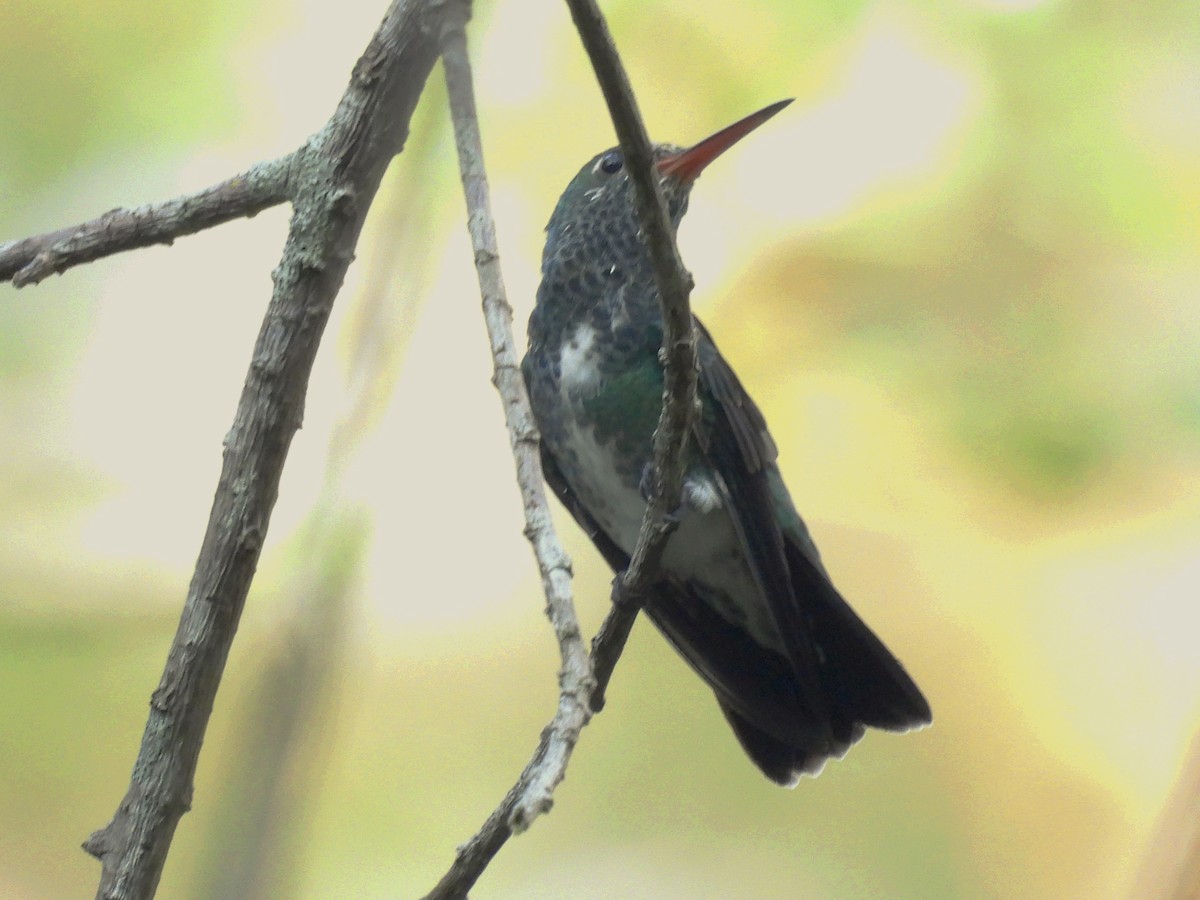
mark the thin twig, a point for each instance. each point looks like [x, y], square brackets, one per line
[679, 341]
[532, 794]
[333, 180]
[32, 259]
[609, 641]
[575, 677]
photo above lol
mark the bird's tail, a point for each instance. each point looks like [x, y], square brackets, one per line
[862, 682]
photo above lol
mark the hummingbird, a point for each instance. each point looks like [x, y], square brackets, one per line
[743, 595]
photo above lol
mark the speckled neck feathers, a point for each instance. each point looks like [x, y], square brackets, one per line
[594, 266]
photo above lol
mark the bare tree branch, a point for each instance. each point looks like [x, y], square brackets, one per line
[679, 341]
[333, 179]
[278, 749]
[609, 641]
[32, 259]
[257, 840]
[575, 677]
[580, 690]
[533, 793]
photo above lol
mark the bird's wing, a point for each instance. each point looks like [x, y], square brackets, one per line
[854, 678]
[791, 712]
[732, 435]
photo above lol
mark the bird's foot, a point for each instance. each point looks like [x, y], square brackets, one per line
[699, 495]
[646, 489]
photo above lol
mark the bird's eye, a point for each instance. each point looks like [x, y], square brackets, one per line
[610, 163]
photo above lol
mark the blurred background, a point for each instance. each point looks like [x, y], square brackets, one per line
[959, 274]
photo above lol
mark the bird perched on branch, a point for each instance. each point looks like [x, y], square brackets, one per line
[743, 596]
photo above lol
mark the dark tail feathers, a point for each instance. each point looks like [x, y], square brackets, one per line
[864, 684]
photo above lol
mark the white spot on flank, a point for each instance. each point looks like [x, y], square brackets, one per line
[701, 495]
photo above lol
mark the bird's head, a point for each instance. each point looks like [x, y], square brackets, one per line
[598, 204]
